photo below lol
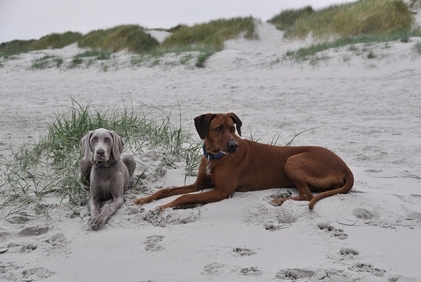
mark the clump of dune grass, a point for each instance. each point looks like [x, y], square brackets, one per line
[188, 56]
[206, 39]
[47, 61]
[356, 18]
[417, 48]
[213, 33]
[364, 21]
[287, 18]
[51, 41]
[89, 57]
[308, 52]
[132, 38]
[13, 48]
[50, 168]
[56, 40]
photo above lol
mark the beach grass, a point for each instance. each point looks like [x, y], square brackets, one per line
[417, 48]
[214, 33]
[307, 52]
[351, 19]
[287, 18]
[56, 40]
[363, 21]
[132, 38]
[46, 61]
[50, 168]
[204, 39]
[182, 56]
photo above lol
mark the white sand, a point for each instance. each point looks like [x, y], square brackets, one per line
[368, 111]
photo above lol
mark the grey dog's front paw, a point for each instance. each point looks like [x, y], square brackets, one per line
[97, 222]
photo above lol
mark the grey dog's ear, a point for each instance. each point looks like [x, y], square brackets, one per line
[84, 145]
[237, 122]
[117, 147]
[202, 124]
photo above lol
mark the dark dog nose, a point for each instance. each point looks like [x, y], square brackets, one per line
[232, 146]
[100, 152]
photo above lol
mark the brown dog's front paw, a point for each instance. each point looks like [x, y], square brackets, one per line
[140, 201]
[161, 208]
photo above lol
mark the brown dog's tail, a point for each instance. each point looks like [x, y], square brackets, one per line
[349, 182]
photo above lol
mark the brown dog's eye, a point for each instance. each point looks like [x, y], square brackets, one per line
[232, 130]
[219, 129]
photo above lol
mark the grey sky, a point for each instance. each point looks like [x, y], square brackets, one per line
[31, 19]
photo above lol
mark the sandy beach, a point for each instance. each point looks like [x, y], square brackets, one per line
[366, 109]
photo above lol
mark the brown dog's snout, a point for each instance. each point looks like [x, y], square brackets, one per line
[232, 146]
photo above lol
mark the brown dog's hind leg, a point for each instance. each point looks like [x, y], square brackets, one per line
[304, 194]
[297, 172]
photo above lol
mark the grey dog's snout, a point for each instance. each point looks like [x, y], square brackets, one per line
[100, 152]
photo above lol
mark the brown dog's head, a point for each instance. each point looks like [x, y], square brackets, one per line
[104, 145]
[218, 131]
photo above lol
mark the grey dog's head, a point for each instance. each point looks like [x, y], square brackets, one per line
[102, 145]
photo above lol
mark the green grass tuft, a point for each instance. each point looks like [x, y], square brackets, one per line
[417, 48]
[212, 34]
[286, 19]
[356, 18]
[132, 38]
[15, 47]
[56, 40]
[307, 52]
[46, 62]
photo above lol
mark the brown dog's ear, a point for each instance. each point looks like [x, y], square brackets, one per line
[202, 124]
[117, 148]
[237, 122]
[84, 145]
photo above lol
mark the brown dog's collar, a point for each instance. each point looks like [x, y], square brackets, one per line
[210, 157]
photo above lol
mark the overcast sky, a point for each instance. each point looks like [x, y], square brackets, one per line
[32, 19]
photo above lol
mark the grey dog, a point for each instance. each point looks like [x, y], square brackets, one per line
[106, 173]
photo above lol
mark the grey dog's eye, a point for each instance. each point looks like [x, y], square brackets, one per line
[107, 140]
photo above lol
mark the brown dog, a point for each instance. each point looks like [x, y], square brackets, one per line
[233, 164]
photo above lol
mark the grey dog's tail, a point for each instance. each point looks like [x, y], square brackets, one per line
[349, 182]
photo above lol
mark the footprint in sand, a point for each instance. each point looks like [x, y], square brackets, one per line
[348, 252]
[33, 231]
[152, 243]
[363, 214]
[243, 252]
[214, 268]
[10, 271]
[36, 274]
[366, 267]
[170, 216]
[250, 271]
[294, 274]
[339, 233]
